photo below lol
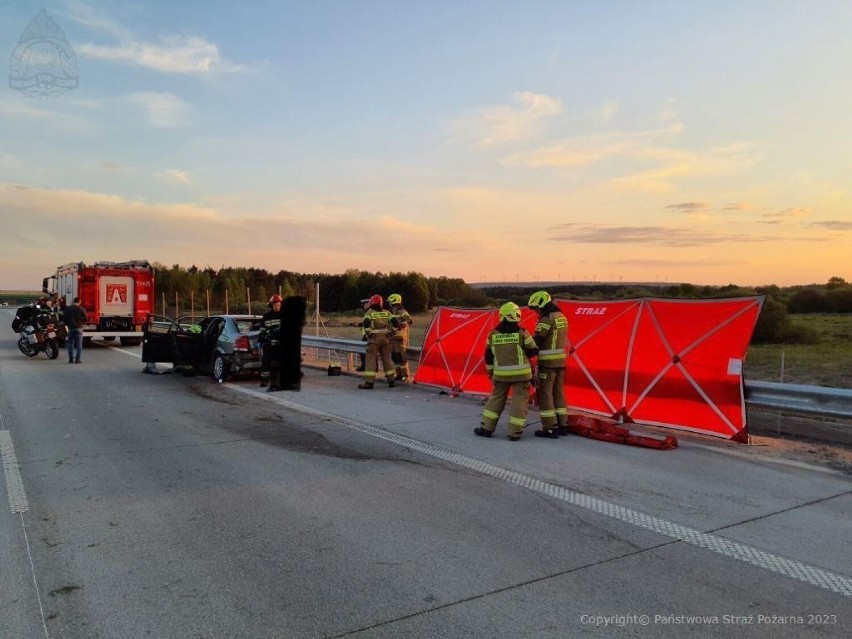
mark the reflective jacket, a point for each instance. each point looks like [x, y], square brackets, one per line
[508, 350]
[377, 321]
[270, 327]
[551, 337]
[401, 320]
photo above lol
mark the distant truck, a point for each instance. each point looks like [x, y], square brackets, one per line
[117, 296]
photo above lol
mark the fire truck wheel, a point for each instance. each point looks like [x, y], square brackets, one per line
[221, 370]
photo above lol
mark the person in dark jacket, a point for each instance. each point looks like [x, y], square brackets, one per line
[75, 318]
[270, 339]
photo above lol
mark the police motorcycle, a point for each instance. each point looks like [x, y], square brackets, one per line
[39, 329]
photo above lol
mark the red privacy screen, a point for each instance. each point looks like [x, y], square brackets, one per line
[675, 363]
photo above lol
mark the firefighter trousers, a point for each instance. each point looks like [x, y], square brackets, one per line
[269, 363]
[550, 392]
[517, 410]
[400, 361]
[378, 347]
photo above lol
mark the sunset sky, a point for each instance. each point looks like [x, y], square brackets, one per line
[702, 142]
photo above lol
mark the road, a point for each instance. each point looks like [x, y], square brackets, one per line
[171, 507]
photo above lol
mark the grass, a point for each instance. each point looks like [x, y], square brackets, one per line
[826, 363]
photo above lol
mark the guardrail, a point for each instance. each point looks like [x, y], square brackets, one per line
[816, 400]
[801, 398]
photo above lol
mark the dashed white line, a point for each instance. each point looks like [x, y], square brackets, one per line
[14, 483]
[791, 568]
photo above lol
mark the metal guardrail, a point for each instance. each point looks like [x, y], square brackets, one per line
[815, 400]
[801, 398]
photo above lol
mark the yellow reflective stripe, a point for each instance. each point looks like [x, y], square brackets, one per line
[490, 414]
[513, 373]
[548, 413]
[517, 421]
[551, 351]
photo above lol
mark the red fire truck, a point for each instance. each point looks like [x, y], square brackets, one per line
[117, 296]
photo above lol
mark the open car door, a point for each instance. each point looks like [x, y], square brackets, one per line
[156, 345]
[186, 337]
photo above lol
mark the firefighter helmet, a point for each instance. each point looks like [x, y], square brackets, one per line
[376, 300]
[539, 299]
[275, 298]
[510, 312]
[394, 298]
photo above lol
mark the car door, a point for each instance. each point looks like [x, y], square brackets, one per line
[156, 342]
[213, 329]
[186, 335]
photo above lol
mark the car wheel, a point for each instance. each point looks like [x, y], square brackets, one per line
[220, 368]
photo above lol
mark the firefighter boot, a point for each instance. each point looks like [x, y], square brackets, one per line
[365, 385]
[550, 434]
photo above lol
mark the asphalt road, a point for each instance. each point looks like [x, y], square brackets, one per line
[171, 507]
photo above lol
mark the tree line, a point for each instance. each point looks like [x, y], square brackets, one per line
[338, 293]
[342, 293]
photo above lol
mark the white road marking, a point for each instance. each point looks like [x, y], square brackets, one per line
[791, 568]
[18, 503]
[14, 483]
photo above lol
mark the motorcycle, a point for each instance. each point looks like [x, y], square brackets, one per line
[40, 332]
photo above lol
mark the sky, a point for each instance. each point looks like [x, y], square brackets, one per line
[501, 141]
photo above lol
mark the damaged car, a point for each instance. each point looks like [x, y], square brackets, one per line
[223, 346]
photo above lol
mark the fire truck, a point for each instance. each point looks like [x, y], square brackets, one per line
[117, 296]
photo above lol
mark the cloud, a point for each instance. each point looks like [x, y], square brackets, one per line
[689, 206]
[643, 148]
[609, 110]
[648, 235]
[309, 240]
[47, 116]
[738, 206]
[176, 53]
[593, 148]
[175, 175]
[111, 166]
[498, 125]
[834, 225]
[164, 110]
[781, 217]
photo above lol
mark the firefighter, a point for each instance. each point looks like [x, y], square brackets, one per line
[365, 305]
[551, 336]
[378, 330]
[508, 350]
[402, 322]
[270, 340]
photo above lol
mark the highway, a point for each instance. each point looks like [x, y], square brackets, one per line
[171, 507]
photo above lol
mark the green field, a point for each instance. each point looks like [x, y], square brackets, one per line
[826, 363]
